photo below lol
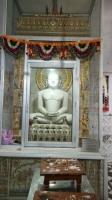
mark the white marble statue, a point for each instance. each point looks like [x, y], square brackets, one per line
[52, 103]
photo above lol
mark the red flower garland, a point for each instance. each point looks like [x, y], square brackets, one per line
[44, 54]
[79, 51]
[11, 48]
[48, 50]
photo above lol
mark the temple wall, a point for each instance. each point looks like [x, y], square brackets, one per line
[107, 68]
[8, 93]
[1, 29]
[6, 163]
[107, 50]
[10, 18]
[12, 13]
[95, 20]
[1, 15]
[94, 97]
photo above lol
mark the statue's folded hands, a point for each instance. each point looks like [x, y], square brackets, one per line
[52, 114]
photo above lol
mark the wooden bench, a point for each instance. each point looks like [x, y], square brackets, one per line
[47, 195]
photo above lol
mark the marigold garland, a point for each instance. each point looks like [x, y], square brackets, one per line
[11, 47]
[86, 51]
[47, 50]
[50, 43]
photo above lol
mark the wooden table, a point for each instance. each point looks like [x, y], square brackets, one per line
[44, 195]
[61, 169]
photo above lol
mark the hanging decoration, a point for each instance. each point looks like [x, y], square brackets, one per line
[83, 50]
[98, 47]
[46, 50]
[30, 51]
[63, 53]
[59, 44]
[10, 46]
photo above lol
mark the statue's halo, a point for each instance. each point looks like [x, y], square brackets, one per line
[65, 76]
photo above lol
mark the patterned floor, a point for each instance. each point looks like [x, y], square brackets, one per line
[110, 181]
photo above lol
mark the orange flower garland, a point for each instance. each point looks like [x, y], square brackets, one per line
[58, 44]
[46, 50]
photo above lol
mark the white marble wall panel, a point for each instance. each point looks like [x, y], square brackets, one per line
[107, 137]
[93, 127]
[8, 93]
[107, 47]
[7, 122]
[107, 36]
[10, 17]
[94, 97]
[107, 149]
[1, 15]
[1, 23]
[95, 20]
[107, 125]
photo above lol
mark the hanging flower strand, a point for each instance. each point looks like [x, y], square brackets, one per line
[46, 52]
[63, 53]
[30, 51]
[98, 47]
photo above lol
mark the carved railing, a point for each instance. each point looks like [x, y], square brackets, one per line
[50, 132]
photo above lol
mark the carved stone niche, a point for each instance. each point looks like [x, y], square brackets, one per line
[53, 25]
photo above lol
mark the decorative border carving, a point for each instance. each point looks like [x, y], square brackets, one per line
[55, 25]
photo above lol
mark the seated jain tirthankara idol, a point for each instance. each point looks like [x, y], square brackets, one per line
[52, 103]
[52, 110]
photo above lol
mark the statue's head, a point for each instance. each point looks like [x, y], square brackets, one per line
[53, 80]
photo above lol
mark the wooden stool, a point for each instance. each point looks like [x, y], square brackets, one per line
[46, 195]
[61, 169]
